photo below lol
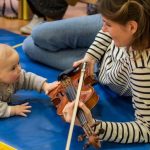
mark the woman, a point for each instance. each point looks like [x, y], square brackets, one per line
[123, 49]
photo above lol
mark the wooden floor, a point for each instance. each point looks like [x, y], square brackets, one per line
[15, 24]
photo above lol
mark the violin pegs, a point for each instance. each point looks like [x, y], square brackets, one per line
[81, 137]
[101, 130]
[92, 140]
[95, 141]
[95, 124]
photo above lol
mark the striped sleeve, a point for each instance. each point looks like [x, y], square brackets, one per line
[100, 45]
[140, 84]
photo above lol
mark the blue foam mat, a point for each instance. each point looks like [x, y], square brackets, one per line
[43, 129]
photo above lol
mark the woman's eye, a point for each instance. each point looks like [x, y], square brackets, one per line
[108, 25]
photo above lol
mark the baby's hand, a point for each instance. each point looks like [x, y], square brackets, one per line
[20, 110]
[47, 87]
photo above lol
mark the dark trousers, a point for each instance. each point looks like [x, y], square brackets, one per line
[54, 9]
[34, 10]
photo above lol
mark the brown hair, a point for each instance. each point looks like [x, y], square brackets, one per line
[122, 11]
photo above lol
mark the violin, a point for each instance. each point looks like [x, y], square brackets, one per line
[66, 92]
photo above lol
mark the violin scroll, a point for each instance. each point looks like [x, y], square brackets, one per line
[93, 139]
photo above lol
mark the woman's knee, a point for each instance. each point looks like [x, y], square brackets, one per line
[39, 33]
[48, 34]
[28, 46]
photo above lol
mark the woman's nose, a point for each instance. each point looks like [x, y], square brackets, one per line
[104, 29]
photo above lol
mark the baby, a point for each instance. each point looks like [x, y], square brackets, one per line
[13, 78]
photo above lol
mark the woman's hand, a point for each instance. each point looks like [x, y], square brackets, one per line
[68, 111]
[90, 63]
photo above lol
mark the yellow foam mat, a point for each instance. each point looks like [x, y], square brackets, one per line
[4, 146]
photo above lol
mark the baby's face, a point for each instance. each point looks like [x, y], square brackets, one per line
[10, 68]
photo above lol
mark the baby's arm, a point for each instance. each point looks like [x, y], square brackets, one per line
[4, 110]
[7, 111]
[47, 87]
[31, 81]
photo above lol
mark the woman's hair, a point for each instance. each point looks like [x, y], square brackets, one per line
[122, 11]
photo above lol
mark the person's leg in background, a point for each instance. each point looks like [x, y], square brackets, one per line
[9, 8]
[91, 9]
[37, 18]
[43, 9]
[59, 43]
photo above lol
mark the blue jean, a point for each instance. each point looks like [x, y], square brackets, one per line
[59, 43]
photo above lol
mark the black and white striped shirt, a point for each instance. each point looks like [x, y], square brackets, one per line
[127, 74]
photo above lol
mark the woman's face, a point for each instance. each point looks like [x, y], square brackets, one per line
[122, 35]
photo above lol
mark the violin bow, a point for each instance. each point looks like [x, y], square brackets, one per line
[17, 45]
[75, 106]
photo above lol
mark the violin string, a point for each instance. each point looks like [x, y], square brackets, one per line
[74, 91]
[86, 129]
[86, 126]
[66, 85]
[80, 113]
[71, 90]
